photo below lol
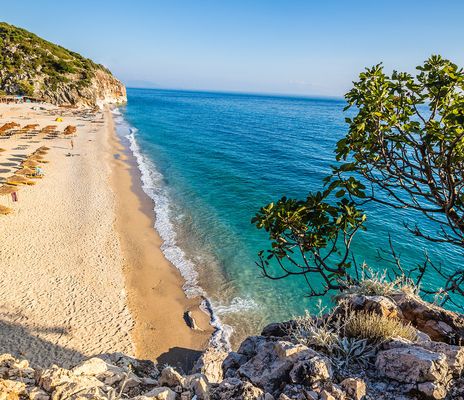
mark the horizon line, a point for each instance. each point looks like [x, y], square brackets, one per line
[260, 94]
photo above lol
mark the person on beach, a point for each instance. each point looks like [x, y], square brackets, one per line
[72, 144]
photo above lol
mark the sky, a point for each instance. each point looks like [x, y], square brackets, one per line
[284, 46]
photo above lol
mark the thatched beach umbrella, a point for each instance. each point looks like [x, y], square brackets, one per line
[2, 150]
[25, 171]
[19, 180]
[7, 190]
[43, 148]
[30, 163]
[5, 210]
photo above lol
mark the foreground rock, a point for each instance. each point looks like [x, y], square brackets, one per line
[273, 366]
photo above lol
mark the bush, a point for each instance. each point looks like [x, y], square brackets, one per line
[376, 328]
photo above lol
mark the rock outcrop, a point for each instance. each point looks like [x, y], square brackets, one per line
[34, 67]
[272, 366]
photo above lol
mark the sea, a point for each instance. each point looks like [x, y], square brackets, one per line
[211, 160]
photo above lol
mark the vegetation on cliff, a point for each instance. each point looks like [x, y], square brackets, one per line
[32, 66]
[404, 149]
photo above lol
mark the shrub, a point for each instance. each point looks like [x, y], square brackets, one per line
[376, 328]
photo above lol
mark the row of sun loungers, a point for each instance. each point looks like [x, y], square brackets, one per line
[30, 169]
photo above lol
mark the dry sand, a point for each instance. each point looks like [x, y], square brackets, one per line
[81, 268]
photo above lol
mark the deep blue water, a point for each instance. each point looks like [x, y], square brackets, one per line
[215, 159]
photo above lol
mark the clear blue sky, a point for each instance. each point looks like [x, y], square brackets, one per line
[283, 46]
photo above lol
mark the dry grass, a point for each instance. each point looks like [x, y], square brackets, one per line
[377, 284]
[376, 328]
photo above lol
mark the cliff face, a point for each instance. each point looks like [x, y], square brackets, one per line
[35, 67]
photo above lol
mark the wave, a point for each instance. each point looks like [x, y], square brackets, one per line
[153, 186]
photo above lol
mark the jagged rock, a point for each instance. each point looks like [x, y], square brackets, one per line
[375, 304]
[79, 390]
[170, 377]
[272, 362]
[431, 390]
[160, 393]
[38, 394]
[210, 364]
[199, 386]
[142, 368]
[11, 390]
[311, 370]
[235, 389]
[454, 355]
[355, 388]
[279, 329]
[412, 365]
[440, 324]
[287, 349]
[50, 378]
[232, 363]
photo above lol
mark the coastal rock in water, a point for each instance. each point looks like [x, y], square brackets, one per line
[190, 321]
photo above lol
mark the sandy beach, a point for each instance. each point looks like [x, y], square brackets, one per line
[82, 271]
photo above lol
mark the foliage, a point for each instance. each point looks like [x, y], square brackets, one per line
[24, 54]
[404, 149]
[349, 338]
[308, 237]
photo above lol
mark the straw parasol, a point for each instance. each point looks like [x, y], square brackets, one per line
[44, 148]
[30, 163]
[5, 210]
[25, 171]
[7, 189]
[2, 150]
[19, 180]
[36, 157]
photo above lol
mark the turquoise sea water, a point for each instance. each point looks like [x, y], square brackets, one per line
[210, 160]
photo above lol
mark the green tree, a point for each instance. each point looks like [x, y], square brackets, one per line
[406, 141]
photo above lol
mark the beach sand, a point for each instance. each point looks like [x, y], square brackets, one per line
[82, 269]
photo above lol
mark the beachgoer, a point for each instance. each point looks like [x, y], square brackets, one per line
[72, 144]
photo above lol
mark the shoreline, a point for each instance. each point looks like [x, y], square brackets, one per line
[155, 296]
[82, 269]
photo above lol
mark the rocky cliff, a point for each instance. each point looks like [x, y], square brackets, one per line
[34, 67]
[368, 348]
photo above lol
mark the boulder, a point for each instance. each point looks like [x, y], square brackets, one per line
[440, 324]
[159, 393]
[170, 377]
[374, 304]
[142, 368]
[270, 367]
[210, 364]
[431, 390]
[354, 387]
[454, 355]
[11, 390]
[235, 389]
[311, 370]
[199, 386]
[412, 365]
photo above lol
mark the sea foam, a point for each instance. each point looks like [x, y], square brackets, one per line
[153, 186]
